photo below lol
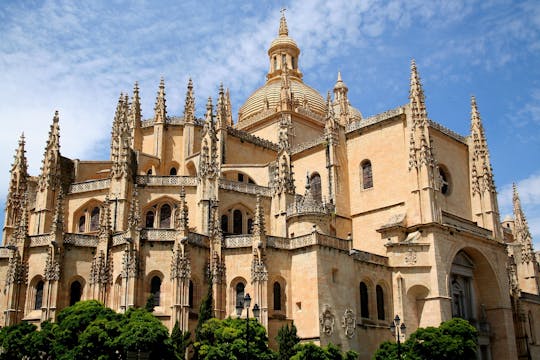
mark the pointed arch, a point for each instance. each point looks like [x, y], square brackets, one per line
[86, 217]
[316, 189]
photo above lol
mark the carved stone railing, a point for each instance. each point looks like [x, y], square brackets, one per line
[91, 185]
[119, 239]
[41, 240]
[313, 238]
[301, 207]
[81, 240]
[252, 138]
[448, 132]
[147, 123]
[255, 118]
[464, 224]
[307, 145]
[5, 253]
[368, 257]
[175, 120]
[238, 241]
[375, 119]
[158, 234]
[198, 239]
[310, 114]
[152, 180]
[245, 188]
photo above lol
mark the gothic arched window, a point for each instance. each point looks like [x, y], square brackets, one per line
[380, 302]
[172, 171]
[94, 219]
[364, 305]
[444, 179]
[237, 222]
[75, 292]
[165, 216]
[38, 299]
[367, 175]
[82, 223]
[155, 289]
[240, 293]
[316, 186]
[277, 296]
[149, 219]
[224, 224]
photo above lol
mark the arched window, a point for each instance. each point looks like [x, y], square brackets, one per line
[237, 222]
[75, 292]
[149, 172]
[275, 63]
[94, 219]
[149, 219]
[172, 171]
[364, 306]
[316, 186]
[444, 180]
[240, 293]
[165, 216]
[82, 223]
[155, 289]
[224, 224]
[293, 61]
[190, 294]
[38, 300]
[461, 286]
[367, 175]
[277, 296]
[380, 302]
[283, 61]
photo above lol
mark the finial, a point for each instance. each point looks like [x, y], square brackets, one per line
[339, 76]
[136, 87]
[221, 90]
[209, 104]
[56, 117]
[283, 31]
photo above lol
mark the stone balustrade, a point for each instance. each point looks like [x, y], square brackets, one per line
[81, 240]
[41, 240]
[238, 241]
[92, 185]
[158, 234]
[246, 188]
[151, 180]
[374, 119]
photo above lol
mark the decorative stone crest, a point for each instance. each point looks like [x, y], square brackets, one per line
[327, 321]
[258, 270]
[348, 323]
[180, 265]
[411, 257]
[130, 265]
[52, 268]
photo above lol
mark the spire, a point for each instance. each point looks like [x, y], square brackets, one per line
[258, 224]
[160, 110]
[105, 219]
[18, 182]
[135, 110]
[221, 111]
[189, 107]
[121, 140]
[182, 213]
[482, 174]
[330, 128]
[21, 233]
[421, 151]
[50, 168]
[340, 97]
[283, 30]
[58, 218]
[283, 136]
[228, 107]
[134, 217]
[521, 229]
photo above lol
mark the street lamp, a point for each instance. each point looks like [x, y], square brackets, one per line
[256, 311]
[398, 331]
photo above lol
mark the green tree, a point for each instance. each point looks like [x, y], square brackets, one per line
[180, 341]
[310, 351]
[150, 303]
[287, 339]
[18, 342]
[142, 331]
[206, 312]
[226, 339]
[455, 339]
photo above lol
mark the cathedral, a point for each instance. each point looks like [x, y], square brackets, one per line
[326, 218]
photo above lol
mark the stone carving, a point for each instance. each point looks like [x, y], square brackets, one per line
[52, 268]
[130, 264]
[348, 323]
[100, 271]
[258, 270]
[92, 185]
[327, 320]
[149, 180]
[41, 240]
[411, 257]
[81, 240]
[180, 265]
[245, 188]
[245, 136]
[17, 270]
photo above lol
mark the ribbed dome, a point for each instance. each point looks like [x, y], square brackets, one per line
[270, 93]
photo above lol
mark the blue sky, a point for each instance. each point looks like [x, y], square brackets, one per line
[78, 56]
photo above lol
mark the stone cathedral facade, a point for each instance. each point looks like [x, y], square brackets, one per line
[328, 219]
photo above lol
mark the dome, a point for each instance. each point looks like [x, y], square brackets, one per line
[269, 96]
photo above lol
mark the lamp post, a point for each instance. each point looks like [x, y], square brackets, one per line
[256, 312]
[398, 331]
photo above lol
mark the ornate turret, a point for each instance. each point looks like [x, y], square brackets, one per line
[18, 185]
[422, 164]
[521, 229]
[121, 141]
[283, 52]
[135, 117]
[483, 193]
[221, 111]
[50, 169]
[189, 106]
[341, 99]
[160, 109]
